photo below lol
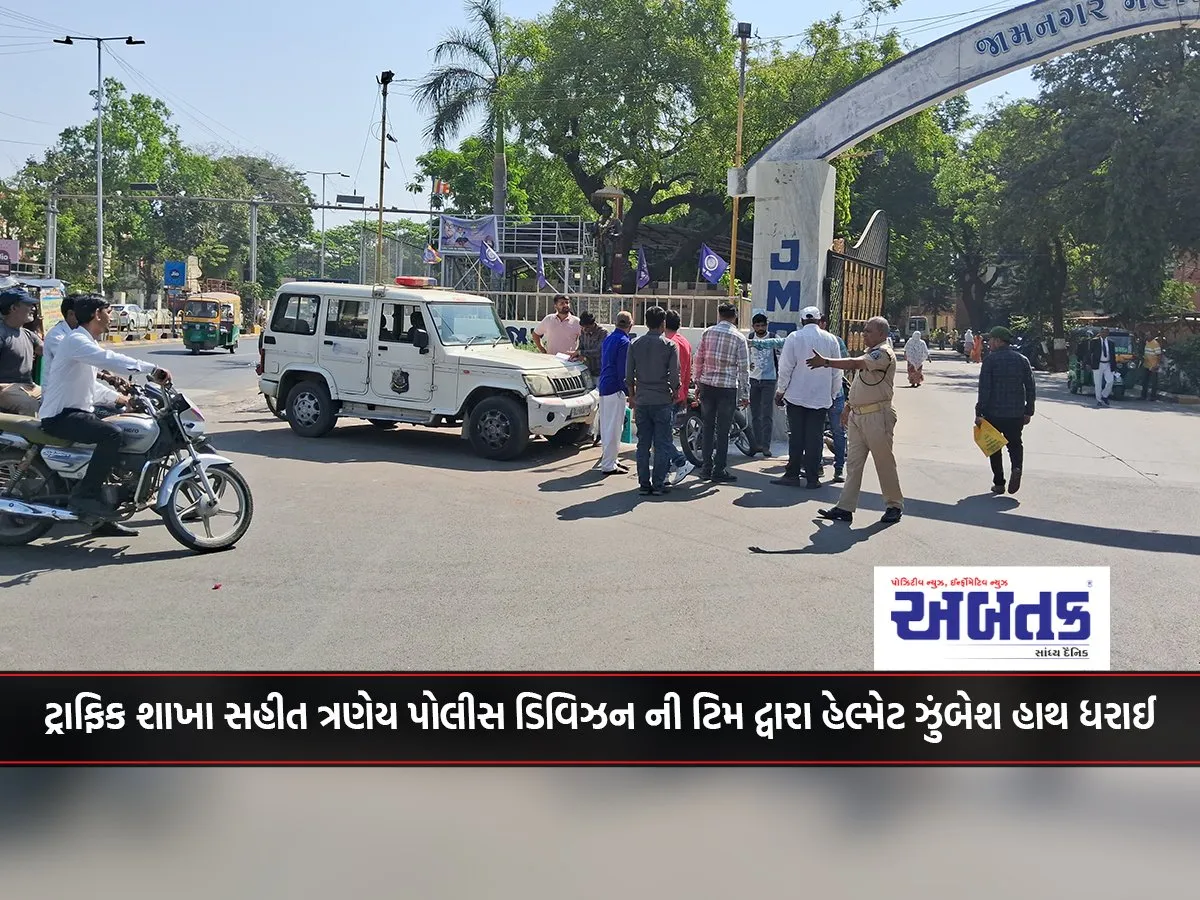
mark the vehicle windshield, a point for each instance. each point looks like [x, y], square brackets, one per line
[201, 309]
[462, 323]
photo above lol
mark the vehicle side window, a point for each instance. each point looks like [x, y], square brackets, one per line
[347, 319]
[296, 314]
[396, 322]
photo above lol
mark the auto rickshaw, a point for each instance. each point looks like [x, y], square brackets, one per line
[212, 321]
[1124, 365]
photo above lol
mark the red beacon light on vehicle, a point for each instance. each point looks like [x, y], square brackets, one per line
[415, 281]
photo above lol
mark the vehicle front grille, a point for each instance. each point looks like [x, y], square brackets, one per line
[570, 386]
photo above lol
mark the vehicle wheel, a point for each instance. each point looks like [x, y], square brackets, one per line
[691, 438]
[220, 527]
[571, 436]
[1072, 386]
[499, 428]
[195, 351]
[741, 440]
[383, 424]
[15, 531]
[233, 348]
[279, 412]
[310, 409]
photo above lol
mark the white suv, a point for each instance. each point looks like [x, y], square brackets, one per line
[419, 355]
[130, 317]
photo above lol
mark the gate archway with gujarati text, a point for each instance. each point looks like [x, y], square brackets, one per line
[792, 181]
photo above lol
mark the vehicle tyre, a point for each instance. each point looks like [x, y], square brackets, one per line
[16, 531]
[233, 348]
[383, 424]
[570, 436]
[223, 479]
[195, 351]
[691, 437]
[310, 409]
[499, 428]
[741, 440]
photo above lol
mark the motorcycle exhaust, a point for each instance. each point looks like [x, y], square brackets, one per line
[36, 510]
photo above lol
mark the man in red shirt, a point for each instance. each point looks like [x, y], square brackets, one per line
[680, 462]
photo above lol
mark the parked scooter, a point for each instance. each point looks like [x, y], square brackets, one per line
[691, 431]
[162, 467]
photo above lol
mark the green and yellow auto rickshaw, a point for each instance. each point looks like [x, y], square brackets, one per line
[1124, 365]
[212, 321]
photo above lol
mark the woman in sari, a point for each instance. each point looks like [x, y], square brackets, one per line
[916, 353]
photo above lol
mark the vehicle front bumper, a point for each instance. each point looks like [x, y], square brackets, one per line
[549, 415]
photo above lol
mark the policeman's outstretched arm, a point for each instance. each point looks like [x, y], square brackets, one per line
[853, 364]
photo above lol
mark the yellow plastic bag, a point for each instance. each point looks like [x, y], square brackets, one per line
[988, 439]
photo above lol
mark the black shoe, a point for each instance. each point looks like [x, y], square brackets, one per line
[997, 487]
[92, 507]
[1014, 481]
[788, 480]
[836, 513]
[705, 475]
[891, 515]
[662, 489]
[113, 529]
[723, 477]
[767, 453]
[837, 477]
[645, 490]
[812, 485]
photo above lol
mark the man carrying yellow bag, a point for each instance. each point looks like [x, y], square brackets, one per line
[1006, 396]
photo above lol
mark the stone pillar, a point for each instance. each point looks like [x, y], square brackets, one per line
[793, 232]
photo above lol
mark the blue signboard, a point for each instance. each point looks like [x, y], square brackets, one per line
[174, 273]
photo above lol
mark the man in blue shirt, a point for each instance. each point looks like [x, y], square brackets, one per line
[614, 353]
[764, 364]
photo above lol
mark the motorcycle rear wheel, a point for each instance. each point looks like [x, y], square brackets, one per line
[16, 531]
[222, 478]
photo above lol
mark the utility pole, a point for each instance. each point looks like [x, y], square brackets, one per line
[254, 241]
[323, 176]
[384, 80]
[743, 32]
[71, 39]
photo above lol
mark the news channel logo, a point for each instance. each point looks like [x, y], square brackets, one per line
[992, 619]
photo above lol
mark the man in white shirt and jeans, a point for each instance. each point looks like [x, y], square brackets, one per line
[68, 410]
[103, 394]
[808, 395]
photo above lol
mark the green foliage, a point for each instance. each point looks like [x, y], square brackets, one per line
[1185, 356]
[1177, 298]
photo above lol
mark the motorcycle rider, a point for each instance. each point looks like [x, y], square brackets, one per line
[104, 395]
[68, 408]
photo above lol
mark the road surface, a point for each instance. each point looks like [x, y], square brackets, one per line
[402, 549]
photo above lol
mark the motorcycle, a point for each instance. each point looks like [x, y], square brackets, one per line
[162, 467]
[691, 431]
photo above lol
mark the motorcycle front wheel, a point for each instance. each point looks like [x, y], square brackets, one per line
[220, 527]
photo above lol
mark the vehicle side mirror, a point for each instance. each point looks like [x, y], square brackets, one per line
[421, 340]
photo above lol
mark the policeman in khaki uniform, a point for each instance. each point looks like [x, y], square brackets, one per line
[870, 422]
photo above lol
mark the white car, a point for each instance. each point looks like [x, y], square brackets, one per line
[130, 317]
[425, 356]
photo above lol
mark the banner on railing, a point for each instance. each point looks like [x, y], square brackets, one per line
[679, 719]
[466, 236]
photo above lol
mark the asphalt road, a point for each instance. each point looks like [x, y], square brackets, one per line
[403, 550]
[207, 377]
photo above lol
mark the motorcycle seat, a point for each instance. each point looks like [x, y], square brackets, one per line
[30, 429]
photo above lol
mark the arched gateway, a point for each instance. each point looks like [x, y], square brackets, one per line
[792, 181]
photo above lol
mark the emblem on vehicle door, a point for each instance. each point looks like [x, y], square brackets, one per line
[400, 382]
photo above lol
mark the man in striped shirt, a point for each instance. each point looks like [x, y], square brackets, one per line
[721, 369]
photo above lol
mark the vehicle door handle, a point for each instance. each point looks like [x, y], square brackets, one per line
[268, 339]
[383, 346]
[328, 343]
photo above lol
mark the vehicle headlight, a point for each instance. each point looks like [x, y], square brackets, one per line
[588, 381]
[539, 385]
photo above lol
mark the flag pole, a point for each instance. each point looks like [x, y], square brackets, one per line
[743, 31]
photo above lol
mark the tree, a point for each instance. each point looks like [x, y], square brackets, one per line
[469, 77]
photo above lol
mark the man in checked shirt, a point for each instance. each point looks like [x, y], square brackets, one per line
[721, 369]
[1006, 396]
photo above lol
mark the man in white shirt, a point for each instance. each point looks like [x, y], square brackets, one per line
[808, 395]
[103, 395]
[1102, 366]
[68, 408]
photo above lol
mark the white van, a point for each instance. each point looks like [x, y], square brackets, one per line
[420, 355]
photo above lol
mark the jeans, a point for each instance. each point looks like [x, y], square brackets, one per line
[805, 441]
[654, 430]
[762, 412]
[718, 406]
[84, 428]
[1011, 429]
[839, 432]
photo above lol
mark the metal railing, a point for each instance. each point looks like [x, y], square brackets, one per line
[523, 236]
[694, 311]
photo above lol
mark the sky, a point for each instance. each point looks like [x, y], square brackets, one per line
[264, 77]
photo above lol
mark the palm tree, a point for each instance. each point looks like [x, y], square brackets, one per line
[470, 66]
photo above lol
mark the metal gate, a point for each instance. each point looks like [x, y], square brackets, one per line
[855, 282]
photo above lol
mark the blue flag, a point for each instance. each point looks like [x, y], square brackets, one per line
[430, 256]
[712, 267]
[490, 259]
[643, 272]
[541, 272]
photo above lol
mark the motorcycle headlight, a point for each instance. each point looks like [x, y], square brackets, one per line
[539, 385]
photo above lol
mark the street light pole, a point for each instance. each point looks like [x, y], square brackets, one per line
[743, 32]
[323, 176]
[71, 39]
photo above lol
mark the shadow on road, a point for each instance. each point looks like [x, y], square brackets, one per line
[626, 501]
[829, 538]
[433, 448]
[23, 565]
